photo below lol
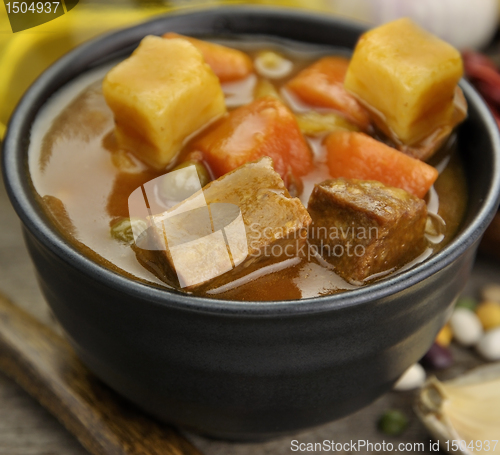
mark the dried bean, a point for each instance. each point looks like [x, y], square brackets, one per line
[437, 358]
[489, 345]
[393, 422]
[466, 327]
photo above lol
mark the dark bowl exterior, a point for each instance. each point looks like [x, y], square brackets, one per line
[246, 370]
[242, 376]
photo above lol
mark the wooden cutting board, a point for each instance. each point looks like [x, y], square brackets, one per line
[45, 365]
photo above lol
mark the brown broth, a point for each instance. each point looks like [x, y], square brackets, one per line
[84, 180]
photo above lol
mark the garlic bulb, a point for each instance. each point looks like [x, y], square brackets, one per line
[464, 409]
[463, 23]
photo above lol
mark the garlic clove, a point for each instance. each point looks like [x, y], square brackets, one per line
[412, 378]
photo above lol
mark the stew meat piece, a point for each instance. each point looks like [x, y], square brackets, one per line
[363, 227]
[243, 221]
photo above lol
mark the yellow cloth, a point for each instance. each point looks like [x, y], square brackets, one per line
[24, 55]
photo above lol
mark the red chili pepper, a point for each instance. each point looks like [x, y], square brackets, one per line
[472, 58]
[485, 77]
[489, 91]
[495, 112]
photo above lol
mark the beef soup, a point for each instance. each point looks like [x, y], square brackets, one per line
[334, 182]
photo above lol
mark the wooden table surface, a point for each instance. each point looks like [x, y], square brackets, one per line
[27, 429]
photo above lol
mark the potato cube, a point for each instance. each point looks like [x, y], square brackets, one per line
[159, 96]
[408, 77]
[243, 221]
[265, 127]
[363, 227]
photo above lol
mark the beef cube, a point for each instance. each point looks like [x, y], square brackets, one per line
[243, 221]
[364, 228]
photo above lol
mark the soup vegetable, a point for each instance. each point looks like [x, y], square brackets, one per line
[252, 171]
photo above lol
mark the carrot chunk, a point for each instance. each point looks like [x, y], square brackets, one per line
[227, 64]
[356, 155]
[322, 85]
[265, 127]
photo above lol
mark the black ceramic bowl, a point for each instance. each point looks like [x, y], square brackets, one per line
[246, 370]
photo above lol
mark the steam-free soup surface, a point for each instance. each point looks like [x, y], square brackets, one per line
[84, 179]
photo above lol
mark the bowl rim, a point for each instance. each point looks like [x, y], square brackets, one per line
[22, 195]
